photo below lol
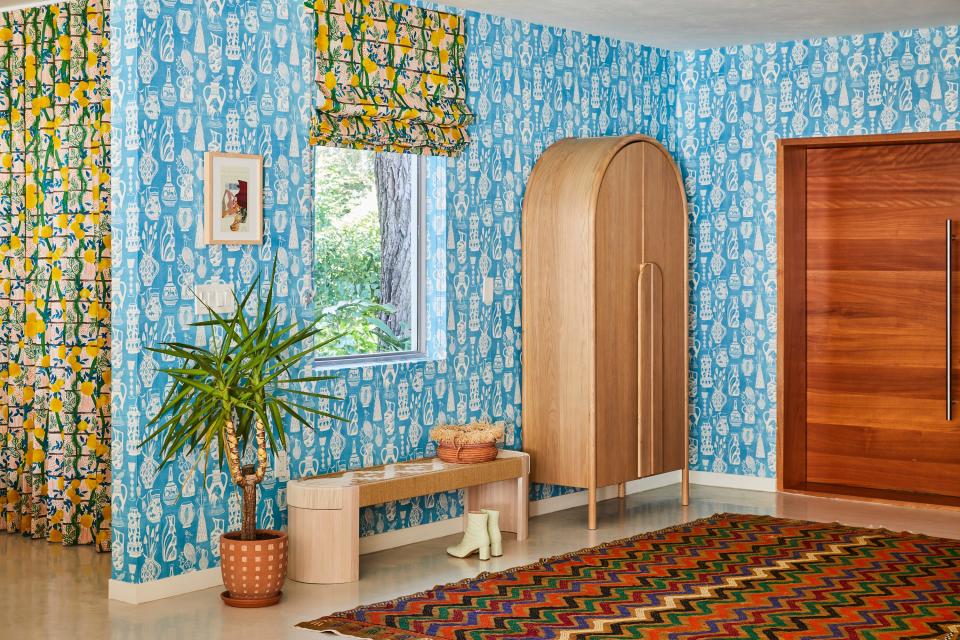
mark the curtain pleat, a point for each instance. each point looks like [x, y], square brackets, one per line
[55, 273]
[391, 78]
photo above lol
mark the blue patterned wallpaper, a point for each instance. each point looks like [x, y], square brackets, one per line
[189, 78]
[733, 103]
[237, 75]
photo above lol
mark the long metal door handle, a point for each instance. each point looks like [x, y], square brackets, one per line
[949, 317]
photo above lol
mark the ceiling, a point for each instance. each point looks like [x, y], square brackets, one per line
[692, 24]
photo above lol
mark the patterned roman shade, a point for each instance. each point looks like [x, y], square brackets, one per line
[391, 78]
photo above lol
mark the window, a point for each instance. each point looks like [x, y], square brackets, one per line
[368, 219]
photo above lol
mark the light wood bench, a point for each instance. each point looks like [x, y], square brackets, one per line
[324, 511]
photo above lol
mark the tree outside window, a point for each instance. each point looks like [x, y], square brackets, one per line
[367, 222]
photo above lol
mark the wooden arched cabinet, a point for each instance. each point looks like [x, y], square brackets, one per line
[605, 315]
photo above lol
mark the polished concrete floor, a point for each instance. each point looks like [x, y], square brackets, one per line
[48, 591]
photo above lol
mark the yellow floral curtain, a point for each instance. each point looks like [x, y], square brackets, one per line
[55, 272]
[391, 78]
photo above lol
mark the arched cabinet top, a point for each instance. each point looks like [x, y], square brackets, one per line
[571, 170]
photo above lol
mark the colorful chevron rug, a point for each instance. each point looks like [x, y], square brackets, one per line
[728, 576]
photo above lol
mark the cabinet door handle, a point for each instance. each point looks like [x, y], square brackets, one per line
[949, 318]
[649, 368]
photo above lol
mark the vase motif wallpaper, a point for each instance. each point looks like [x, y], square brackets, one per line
[192, 76]
[237, 75]
[733, 104]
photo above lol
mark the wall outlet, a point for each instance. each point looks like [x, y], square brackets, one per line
[217, 295]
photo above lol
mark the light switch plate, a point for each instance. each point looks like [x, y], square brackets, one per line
[488, 290]
[217, 295]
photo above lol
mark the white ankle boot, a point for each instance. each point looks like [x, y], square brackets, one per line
[475, 538]
[493, 530]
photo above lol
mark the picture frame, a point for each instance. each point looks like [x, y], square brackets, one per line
[233, 198]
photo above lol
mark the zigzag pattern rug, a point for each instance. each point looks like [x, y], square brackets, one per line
[728, 576]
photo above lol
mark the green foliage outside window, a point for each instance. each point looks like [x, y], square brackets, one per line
[347, 260]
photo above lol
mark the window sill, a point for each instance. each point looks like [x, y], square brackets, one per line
[372, 360]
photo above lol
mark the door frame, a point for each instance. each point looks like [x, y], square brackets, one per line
[792, 308]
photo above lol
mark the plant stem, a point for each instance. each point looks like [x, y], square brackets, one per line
[248, 526]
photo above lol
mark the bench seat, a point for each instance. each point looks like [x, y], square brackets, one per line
[324, 511]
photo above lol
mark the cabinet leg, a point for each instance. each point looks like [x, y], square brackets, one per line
[685, 486]
[621, 489]
[592, 508]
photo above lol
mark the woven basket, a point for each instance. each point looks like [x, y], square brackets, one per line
[467, 453]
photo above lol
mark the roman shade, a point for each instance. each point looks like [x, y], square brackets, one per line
[391, 78]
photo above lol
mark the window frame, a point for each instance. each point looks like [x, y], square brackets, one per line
[418, 329]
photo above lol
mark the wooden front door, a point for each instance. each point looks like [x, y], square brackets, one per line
[870, 323]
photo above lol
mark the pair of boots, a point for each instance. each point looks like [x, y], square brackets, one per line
[481, 535]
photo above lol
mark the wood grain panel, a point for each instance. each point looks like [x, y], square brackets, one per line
[620, 229]
[877, 410]
[853, 223]
[665, 244]
[510, 497]
[877, 293]
[868, 216]
[791, 316]
[886, 139]
[878, 496]
[872, 254]
[335, 560]
[650, 370]
[882, 318]
[918, 460]
[593, 207]
[904, 381]
[558, 313]
[877, 163]
[423, 476]
[902, 188]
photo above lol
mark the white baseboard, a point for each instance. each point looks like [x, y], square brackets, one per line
[733, 481]
[133, 593]
[578, 499]
[451, 526]
[410, 535]
[198, 580]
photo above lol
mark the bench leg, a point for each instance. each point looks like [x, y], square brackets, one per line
[325, 543]
[510, 497]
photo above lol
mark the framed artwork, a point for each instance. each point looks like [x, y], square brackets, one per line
[233, 198]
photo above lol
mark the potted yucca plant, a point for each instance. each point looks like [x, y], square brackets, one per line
[232, 396]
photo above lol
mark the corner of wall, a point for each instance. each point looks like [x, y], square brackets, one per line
[125, 299]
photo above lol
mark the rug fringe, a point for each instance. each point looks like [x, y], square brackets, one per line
[349, 628]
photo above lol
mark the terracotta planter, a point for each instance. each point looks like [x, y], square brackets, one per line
[254, 570]
[467, 453]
